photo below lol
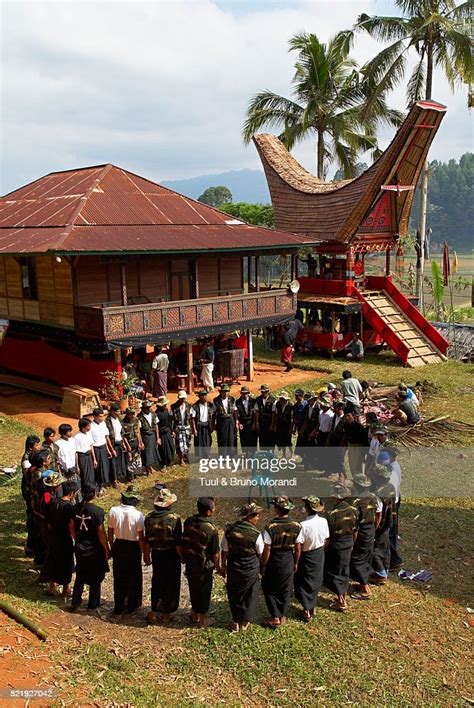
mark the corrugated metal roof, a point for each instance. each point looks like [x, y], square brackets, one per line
[107, 209]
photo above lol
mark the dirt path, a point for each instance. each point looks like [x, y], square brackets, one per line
[42, 411]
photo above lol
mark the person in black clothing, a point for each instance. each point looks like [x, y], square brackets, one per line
[60, 544]
[91, 549]
[282, 422]
[336, 443]
[165, 426]
[32, 446]
[199, 551]
[180, 360]
[201, 424]
[263, 418]
[224, 419]
[245, 414]
[356, 439]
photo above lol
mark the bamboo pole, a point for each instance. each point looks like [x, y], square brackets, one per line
[21, 619]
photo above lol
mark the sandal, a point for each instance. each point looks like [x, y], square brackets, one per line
[270, 624]
[337, 607]
[360, 596]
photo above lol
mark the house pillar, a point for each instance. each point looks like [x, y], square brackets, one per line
[118, 360]
[387, 262]
[189, 362]
[250, 369]
[257, 273]
[123, 283]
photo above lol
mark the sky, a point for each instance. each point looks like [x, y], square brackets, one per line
[161, 88]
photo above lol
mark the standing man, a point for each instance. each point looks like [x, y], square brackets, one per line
[201, 424]
[366, 505]
[60, 544]
[150, 436]
[199, 551]
[118, 465]
[326, 415]
[85, 454]
[241, 548]
[163, 530]
[49, 435]
[181, 417]
[159, 366]
[351, 390]
[67, 455]
[335, 443]
[263, 418]
[310, 431]
[314, 539]
[207, 366]
[91, 549]
[300, 409]
[280, 557]
[133, 442]
[225, 422]
[282, 422]
[245, 413]
[355, 437]
[342, 520]
[126, 527]
[386, 493]
[103, 450]
[388, 457]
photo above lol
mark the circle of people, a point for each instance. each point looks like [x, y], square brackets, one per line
[352, 535]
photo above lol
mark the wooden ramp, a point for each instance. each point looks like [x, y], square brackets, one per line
[421, 349]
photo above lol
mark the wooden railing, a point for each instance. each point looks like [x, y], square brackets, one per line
[117, 322]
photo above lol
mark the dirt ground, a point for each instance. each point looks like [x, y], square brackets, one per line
[42, 411]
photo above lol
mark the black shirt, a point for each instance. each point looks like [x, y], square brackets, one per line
[87, 519]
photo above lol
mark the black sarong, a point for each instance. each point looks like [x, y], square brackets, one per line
[118, 465]
[86, 469]
[248, 437]
[361, 558]
[165, 581]
[167, 448]
[203, 440]
[226, 434]
[150, 453]
[128, 579]
[309, 577]
[277, 582]
[336, 564]
[243, 587]
[101, 472]
[200, 589]
[381, 554]
[283, 434]
[266, 439]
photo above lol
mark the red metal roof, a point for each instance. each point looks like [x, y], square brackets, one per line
[107, 209]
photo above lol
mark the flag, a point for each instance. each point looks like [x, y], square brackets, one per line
[446, 266]
[454, 267]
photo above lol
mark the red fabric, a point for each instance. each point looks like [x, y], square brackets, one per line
[286, 354]
[446, 264]
[42, 361]
[241, 343]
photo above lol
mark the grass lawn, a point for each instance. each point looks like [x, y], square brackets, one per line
[408, 646]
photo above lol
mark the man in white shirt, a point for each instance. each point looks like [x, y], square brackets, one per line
[326, 414]
[314, 537]
[351, 389]
[67, 457]
[103, 449]
[201, 424]
[118, 463]
[126, 527]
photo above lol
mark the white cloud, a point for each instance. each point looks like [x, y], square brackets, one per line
[160, 87]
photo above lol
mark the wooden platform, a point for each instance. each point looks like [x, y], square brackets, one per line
[31, 385]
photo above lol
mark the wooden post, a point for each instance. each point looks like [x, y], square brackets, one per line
[118, 360]
[189, 361]
[387, 262]
[250, 370]
[293, 266]
[333, 327]
[196, 279]
[257, 273]
[297, 260]
[123, 283]
[361, 324]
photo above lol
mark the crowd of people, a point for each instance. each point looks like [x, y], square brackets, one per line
[350, 535]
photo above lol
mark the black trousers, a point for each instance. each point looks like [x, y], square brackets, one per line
[165, 581]
[200, 589]
[128, 578]
[395, 557]
[94, 593]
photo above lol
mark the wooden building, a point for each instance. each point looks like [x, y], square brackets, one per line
[350, 219]
[95, 261]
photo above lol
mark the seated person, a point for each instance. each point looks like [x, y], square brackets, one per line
[356, 348]
[366, 395]
[318, 327]
[405, 412]
[306, 347]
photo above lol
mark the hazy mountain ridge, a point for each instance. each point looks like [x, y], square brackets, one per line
[245, 185]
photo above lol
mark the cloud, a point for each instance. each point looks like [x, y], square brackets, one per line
[161, 87]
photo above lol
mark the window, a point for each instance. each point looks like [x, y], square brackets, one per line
[28, 278]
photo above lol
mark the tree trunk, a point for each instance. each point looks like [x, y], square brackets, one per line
[320, 164]
[424, 187]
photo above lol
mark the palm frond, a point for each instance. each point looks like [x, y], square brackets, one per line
[462, 11]
[384, 29]
[438, 287]
[271, 110]
[417, 82]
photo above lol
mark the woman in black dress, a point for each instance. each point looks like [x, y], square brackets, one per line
[165, 421]
[60, 543]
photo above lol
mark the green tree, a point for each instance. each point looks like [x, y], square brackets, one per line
[329, 103]
[258, 214]
[216, 196]
[438, 32]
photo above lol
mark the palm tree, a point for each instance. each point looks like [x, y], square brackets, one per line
[329, 99]
[438, 31]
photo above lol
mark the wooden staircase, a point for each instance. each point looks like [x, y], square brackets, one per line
[421, 350]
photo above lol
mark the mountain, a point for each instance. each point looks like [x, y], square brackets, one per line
[245, 185]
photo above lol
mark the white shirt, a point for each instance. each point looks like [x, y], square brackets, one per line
[225, 404]
[325, 420]
[351, 389]
[282, 408]
[374, 447]
[268, 539]
[117, 426]
[379, 507]
[203, 413]
[182, 411]
[245, 403]
[99, 432]
[126, 521]
[259, 544]
[396, 479]
[148, 417]
[83, 441]
[67, 452]
[315, 530]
